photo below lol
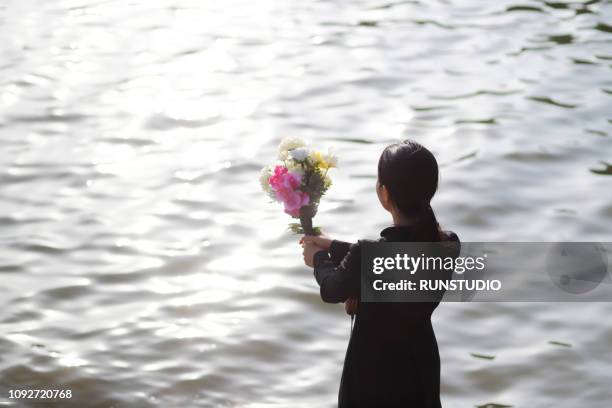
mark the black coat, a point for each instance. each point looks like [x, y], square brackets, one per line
[392, 358]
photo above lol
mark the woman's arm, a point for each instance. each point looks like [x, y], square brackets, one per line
[338, 250]
[338, 282]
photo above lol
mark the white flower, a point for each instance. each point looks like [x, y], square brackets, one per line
[289, 143]
[299, 154]
[264, 177]
[294, 167]
[331, 159]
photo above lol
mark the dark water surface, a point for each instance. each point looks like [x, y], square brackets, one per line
[142, 266]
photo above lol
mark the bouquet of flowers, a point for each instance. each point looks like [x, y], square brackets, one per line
[299, 180]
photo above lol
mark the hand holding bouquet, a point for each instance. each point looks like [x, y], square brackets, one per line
[298, 180]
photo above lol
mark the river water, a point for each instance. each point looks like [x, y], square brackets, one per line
[142, 266]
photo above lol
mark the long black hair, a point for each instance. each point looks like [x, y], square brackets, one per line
[409, 171]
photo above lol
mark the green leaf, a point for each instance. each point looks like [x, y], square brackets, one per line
[494, 405]
[296, 228]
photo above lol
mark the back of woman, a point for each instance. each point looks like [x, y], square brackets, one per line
[392, 358]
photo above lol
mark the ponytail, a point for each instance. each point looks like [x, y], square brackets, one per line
[427, 228]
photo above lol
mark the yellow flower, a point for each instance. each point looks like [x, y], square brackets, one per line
[316, 157]
[330, 159]
[323, 161]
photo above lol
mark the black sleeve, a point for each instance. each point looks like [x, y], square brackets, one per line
[338, 251]
[340, 282]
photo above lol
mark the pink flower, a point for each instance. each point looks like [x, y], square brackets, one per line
[286, 188]
[276, 179]
[283, 178]
[295, 201]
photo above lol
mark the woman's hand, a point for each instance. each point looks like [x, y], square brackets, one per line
[322, 241]
[351, 305]
[308, 253]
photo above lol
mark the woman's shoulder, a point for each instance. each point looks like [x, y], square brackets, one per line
[366, 241]
[356, 248]
[448, 236]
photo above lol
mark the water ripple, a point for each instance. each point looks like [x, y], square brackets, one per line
[143, 267]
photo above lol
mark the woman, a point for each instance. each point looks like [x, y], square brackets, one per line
[392, 358]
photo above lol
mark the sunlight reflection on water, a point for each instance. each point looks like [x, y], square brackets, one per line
[142, 265]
